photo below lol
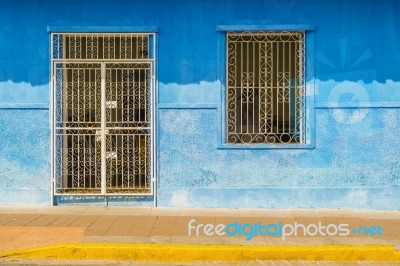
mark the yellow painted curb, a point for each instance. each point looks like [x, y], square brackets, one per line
[188, 253]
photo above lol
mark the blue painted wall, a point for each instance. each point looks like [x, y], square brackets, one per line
[356, 84]
[25, 156]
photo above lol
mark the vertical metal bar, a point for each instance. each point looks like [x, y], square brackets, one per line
[69, 48]
[118, 99]
[103, 130]
[134, 136]
[90, 97]
[301, 49]
[81, 47]
[59, 49]
[75, 44]
[126, 91]
[236, 87]
[253, 84]
[73, 137]
[140, 160]
[227, 110]
[97, 54]
[277, 87]
[271, 89]
[115, 46]
[299, 88]
[139, 118]
[132, 51]
[52, 120]
[72, 71]
[137, 46]
[85, 175]
[128, 142]
[241, 88]
[247, 87]
[90, 122]
[258, 66]
[265, 63]
[146, 155]
[115, 164]
[139, 93]
[153, 125]
[78, 91]
[131, 91]
[290, 89]
[118, 163]
[64, 111]
[146, 94]
[283, 89]
[103, 48]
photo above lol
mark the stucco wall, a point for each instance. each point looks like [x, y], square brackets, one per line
[25, 156]
[352, 166]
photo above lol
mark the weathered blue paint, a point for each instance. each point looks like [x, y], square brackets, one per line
[13, 93]
[25, 156]
[298, 177]
[354, 163]
[272, 198]
[349, 34]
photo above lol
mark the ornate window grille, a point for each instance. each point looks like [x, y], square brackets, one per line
[103, 106]
[265, 89]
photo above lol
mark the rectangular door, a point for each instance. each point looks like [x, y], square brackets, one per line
[103, 128]
[128, 127]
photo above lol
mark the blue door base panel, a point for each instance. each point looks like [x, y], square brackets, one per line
[82, 200]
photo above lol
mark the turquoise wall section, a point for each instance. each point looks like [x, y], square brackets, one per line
[352, 166]
[25, 156]
[356, 85]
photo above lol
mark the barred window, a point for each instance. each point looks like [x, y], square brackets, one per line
[265, 88]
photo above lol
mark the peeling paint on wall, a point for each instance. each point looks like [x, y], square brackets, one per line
[22, 92]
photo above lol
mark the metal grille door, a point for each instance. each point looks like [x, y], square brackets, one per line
[128, 127]
[77, 126]
[102, 117]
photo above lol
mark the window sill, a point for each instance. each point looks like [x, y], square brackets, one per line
[225, 146]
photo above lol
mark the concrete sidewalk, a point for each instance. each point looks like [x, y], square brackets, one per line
[117, 228]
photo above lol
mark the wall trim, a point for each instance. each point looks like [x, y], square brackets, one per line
[349, 105]
[64, 28]
[24, 105]
[307, 27]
